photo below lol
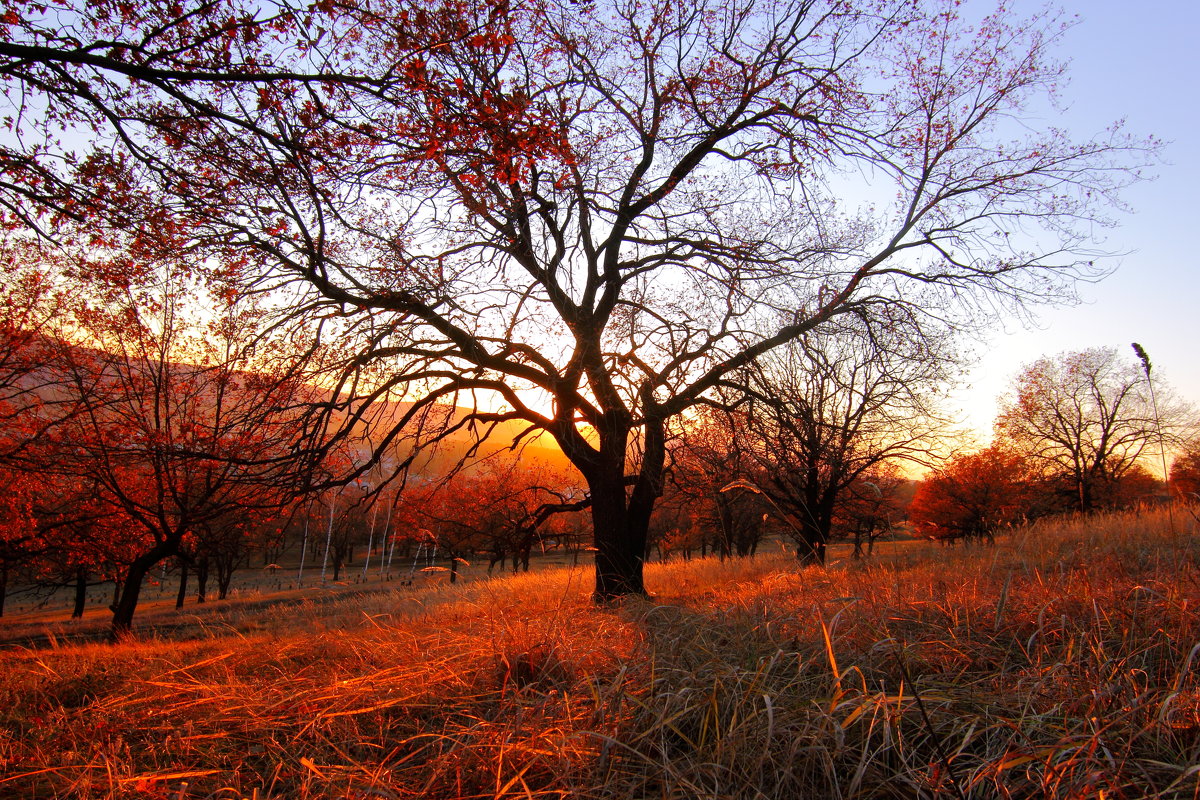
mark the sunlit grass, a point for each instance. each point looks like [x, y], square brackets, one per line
[1062, 663]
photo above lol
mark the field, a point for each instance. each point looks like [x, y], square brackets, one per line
[1062, 662]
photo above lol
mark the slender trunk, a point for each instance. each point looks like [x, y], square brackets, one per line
[183, 578]
[202, 580]
[385, 565]
[370, 540]
[453, 569]
[328, 539]
[3, 585]
[303, 548]
[386, 569]
[80, 593]
[225, 565]
[224, 578]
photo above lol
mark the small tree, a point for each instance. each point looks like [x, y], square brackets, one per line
[708, 453]
[872, 506]
[496, 507]
[972, 496]
[174, 423]
[830, 409]
[1185, 473]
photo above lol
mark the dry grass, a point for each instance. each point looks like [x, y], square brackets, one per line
[1064, 662]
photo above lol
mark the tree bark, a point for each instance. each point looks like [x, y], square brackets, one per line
[225, 569]
[811, 553]
[621, 526]
[202, 580]
[80, 593]
[131, 588]
[183, 579]
[810, 550]
[618, 554]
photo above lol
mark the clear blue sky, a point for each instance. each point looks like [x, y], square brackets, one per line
[1140, 62]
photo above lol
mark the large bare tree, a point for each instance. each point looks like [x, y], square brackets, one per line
[585, 217]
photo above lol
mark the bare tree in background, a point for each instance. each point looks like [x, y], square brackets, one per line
[834, 407]
[1086, 417]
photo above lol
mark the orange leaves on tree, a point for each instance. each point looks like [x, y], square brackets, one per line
[972, 496]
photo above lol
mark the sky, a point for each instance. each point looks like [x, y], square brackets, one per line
[1141, 63]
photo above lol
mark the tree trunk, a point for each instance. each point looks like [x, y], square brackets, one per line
[620, 522]
[202, 580]
[810, 549]
[618, 551]
[225, 569]
[810, 552]
[131, 588]
[183, 578]
[815, 513]
[80, 593]
[3, 585]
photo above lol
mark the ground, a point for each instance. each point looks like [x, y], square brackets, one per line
[1059, 663]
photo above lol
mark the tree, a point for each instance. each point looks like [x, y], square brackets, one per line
[495, 507]
[706, 455]
[1085, 417]
[832, 407]
[670, 184]
[84, 539]
[1185, 473]
[872, 506]
[20, 542]
[972, 496]
[121, 76]
[173, 422]
[29, 303]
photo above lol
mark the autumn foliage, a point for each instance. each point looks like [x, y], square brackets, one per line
[972, 496]
[1185, 474]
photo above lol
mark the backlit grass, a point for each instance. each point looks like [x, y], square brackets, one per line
[1063, 662]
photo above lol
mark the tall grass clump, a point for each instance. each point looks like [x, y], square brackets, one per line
[1062, 662]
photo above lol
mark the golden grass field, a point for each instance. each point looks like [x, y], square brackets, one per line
[1062, 662]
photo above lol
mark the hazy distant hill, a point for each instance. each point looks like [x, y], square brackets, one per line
[451, 451]
[50, 382]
